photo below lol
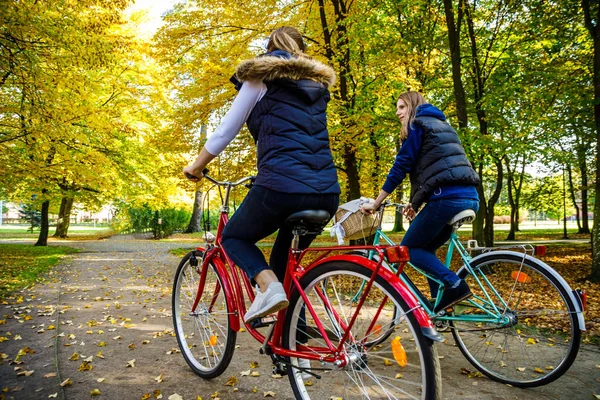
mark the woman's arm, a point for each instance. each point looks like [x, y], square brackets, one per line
[405, 160]
[250, 93]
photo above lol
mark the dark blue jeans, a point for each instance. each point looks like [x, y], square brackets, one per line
[263, 212]
[429, 231]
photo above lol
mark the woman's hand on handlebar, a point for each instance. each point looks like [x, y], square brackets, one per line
[193, 174]
[409, 212]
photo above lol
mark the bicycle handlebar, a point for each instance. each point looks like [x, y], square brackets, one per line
[223, 183]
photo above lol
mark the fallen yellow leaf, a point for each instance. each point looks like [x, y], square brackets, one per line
[66, 382]
[232, 381]
[25, 373]
[95, 392]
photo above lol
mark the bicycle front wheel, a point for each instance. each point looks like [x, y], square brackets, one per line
[205, 338]
[403, 364]
[536, 335]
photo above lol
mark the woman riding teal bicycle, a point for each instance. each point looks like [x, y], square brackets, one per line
[442, 177]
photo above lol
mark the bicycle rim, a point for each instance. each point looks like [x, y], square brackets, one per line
[403, 365]
[539, 337]
[204, 336]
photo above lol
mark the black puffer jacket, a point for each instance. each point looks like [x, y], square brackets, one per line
[441, 160]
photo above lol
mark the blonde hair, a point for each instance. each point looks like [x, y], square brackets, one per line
[412, 100]
[287, 39]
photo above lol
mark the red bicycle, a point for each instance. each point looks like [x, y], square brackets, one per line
[330, 346]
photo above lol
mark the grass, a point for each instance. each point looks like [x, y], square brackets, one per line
[24, 265]
[75, 232]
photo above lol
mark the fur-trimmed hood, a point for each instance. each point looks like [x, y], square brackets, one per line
[269, 68]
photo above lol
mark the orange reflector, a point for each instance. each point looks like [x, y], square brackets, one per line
[377, 330]
[520, 277]
[396, 254]
[213, 340]
[399, 352]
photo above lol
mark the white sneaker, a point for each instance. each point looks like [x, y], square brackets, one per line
[305, 363]
[266, 303]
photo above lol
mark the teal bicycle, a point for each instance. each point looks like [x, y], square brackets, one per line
[523, 324]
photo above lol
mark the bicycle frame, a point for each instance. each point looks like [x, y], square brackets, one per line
[494, 315]
[454, 244]
[235, 281]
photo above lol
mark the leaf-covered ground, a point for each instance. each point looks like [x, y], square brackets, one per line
[101, 327]
[23, 265]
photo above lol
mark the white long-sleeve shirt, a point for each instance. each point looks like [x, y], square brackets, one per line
[250, 93]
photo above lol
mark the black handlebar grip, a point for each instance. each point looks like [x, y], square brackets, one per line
[190, 176]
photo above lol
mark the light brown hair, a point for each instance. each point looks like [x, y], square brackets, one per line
[287, 39]
[412, 100]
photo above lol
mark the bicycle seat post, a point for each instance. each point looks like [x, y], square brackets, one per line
[297, 231]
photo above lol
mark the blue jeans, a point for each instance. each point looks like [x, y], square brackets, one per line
[263, 212]
[429, 231]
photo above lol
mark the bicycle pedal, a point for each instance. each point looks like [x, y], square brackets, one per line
[262, 322]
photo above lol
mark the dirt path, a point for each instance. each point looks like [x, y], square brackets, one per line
[114, 297]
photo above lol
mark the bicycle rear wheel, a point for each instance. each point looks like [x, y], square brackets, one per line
[539, 337]
[403, 365]
[205, 338]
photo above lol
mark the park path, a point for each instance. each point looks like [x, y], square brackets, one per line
[102, 321]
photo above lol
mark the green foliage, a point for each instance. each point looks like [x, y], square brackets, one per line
[169, 220]
[161, 222]
[30, 213]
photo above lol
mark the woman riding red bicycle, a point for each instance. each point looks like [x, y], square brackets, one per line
[283, 98]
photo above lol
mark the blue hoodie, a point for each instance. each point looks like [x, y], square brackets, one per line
[407, 158]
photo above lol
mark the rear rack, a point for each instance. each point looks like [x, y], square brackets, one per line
[526, 248]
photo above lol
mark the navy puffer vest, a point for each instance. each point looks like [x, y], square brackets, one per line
[289, 124]
[441, 161]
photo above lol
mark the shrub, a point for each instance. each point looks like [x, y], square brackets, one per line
[169, 220]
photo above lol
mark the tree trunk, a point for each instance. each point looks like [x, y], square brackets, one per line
[511, 202]
[64, 217]
[455, 57]
[399, 217]
[593, 26]
[585, 225]
[488, 229]
[195, 220]
[480, 217]
[43, 238]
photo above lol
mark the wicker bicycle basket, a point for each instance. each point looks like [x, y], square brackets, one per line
[356, 224]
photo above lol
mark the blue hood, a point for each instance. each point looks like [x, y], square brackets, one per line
[428, 110]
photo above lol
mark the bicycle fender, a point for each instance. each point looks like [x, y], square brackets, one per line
[561, 281]
[234, 320]
[422, 318]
